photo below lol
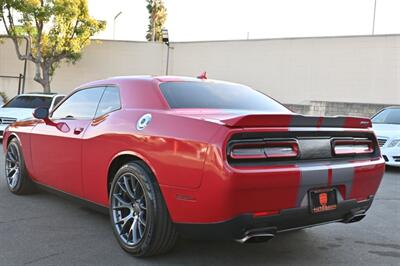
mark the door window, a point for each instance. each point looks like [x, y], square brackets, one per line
[80, 105]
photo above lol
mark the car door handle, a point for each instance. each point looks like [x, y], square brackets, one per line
[78, 130]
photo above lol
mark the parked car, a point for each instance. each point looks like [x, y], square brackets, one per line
[21, 107]
[201, 158]
[386, 124]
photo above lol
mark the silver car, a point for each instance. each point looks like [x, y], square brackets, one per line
[21, 107]
[386, 124]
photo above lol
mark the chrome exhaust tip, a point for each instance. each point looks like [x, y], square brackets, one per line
[354, 218]
[257, 236]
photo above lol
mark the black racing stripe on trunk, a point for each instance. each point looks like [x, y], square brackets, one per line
[315, 121]
[304, 121]
[333, 122]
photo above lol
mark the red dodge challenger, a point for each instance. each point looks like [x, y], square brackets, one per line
[196, 157]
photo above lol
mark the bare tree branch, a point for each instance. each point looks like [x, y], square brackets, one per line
[15, 38]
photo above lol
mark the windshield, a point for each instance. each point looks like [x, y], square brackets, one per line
[387, 116]
[31, 102]
[211, 95]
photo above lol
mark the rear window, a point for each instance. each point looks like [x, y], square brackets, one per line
[29, 102]
[387, 116]
[211, 95]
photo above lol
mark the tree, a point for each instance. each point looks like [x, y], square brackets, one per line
[3, 98]
[157, 18]
[56, 31]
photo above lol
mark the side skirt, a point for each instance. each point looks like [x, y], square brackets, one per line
[83, 202]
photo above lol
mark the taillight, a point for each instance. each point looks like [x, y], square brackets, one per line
[265, 149]
[247, 151]
[349, 147]
[282, 149]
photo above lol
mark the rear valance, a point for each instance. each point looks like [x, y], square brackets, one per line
[294, 120]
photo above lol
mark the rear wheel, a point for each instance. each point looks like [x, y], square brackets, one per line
[138, 213]
[17, 178]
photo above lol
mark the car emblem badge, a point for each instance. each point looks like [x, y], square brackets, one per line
[143, 122]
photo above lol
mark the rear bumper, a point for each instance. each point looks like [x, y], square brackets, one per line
[229, 193]
[244, 225]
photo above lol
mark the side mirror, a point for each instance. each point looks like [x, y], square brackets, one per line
[41, 113]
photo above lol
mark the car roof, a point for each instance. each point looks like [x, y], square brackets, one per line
[159, 78]
[140, 78]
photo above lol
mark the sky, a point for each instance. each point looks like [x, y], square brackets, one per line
[194, 20]
[202, 20]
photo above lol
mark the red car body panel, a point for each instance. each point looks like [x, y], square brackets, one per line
[186, 151]
[58, 151]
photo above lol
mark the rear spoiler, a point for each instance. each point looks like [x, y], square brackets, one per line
[295, 120]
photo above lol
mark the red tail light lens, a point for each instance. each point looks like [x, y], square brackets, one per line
[349, 147]
[267, 149]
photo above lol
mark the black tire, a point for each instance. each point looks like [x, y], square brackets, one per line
[159, 234]
[23, 184]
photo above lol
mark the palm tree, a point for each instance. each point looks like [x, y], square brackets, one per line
[157, 18]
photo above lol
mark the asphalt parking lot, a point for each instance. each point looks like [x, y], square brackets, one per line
[44, 229]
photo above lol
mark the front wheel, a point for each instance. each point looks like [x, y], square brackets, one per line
[139, 216]
[18, 180]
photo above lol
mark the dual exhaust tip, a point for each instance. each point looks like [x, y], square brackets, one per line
[266, 234]
[354, 218]
[257, 235]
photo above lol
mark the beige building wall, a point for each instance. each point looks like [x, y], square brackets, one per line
[102, 59]
[9, 66]
[348, 69]
[360, 69]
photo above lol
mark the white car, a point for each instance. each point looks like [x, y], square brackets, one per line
[386, 125]
[21, 107]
